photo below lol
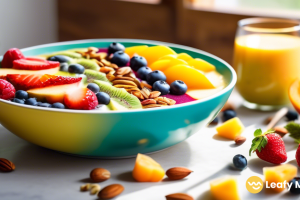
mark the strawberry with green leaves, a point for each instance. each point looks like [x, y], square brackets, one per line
[268, 146]
[294, 130]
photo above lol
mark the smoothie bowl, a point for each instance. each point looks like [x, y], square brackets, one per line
[89, 98]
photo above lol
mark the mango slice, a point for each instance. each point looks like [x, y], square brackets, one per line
[231, 128]
[201, 65]
[184, 56]
[279, 174]
[135, 50]
[193, 78]
[154, 53]
[225, 188]
[147, 170]
[164, 64]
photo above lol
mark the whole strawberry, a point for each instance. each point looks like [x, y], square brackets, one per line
[10, 56]
[298, 156]
[268, 146]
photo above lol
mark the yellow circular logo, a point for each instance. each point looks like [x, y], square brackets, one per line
[254, 184]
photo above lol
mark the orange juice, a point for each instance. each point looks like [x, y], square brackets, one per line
[266, 65]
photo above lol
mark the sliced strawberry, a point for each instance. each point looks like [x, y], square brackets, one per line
[30, 81]
[10, 56]
[80, 99]
[34, 63]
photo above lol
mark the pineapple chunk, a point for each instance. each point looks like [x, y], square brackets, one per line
[281, 174]
[231, 128]
[225, 188]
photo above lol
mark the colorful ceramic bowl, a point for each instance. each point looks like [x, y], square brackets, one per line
[118, 133]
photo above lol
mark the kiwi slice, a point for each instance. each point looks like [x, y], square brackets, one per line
[88, 64]
[66, 53]
[120, 99]
[95, 75]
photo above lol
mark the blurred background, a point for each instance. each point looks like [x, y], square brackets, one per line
[209, 25]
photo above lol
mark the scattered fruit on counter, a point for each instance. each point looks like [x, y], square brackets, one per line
[295, 182]
[10, 56]
[239, 162]
[147, 170]
[228, 114]
[99, 174]
[81, 99]
[225, 188]
[7, 90]
[111, 191]
[177, 173]
[231, 128]
[114, 47]
[215, 121]
[239, 140]
[6, 165]
[291, 115]
[268, 146]
[136, 62]
[279, 174]
[179, 196]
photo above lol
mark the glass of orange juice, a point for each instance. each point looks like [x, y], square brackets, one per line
[267, 60]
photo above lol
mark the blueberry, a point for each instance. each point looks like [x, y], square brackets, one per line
[46, 105]
[21, 101]
[295, 189]
[120, 58]
[21, 94]
[39, 103]
[114, 47]
[94, 87]
[76, 68]
[136, 62]
[143, 71]
[64, 67]
[58, 105]
[31, 101]
[161, 86]
[215, 121]
[228, 114]
[178, 88]
[103, 98]
[239, 162]
[291, 115]
[155, 76]
[60, 58]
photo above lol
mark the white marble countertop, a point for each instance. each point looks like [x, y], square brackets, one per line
[43, 174]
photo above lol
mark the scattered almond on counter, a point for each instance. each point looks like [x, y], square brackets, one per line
[240, 140]
[99, 174]
[280, 130]
[179, 196]
[6, 165]
[85, 187]
[177, 173]
[95, 189]
[111, 191]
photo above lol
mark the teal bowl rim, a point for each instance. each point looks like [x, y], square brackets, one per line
[229, 87]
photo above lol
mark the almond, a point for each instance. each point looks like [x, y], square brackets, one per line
[111, 191]
[154, 94]
[179, 196]
[123, 70]
[6, 165]
[106, 69]
[240, 140]
[280, 130]
[177, 173]
[99, 174]
[148, 101]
